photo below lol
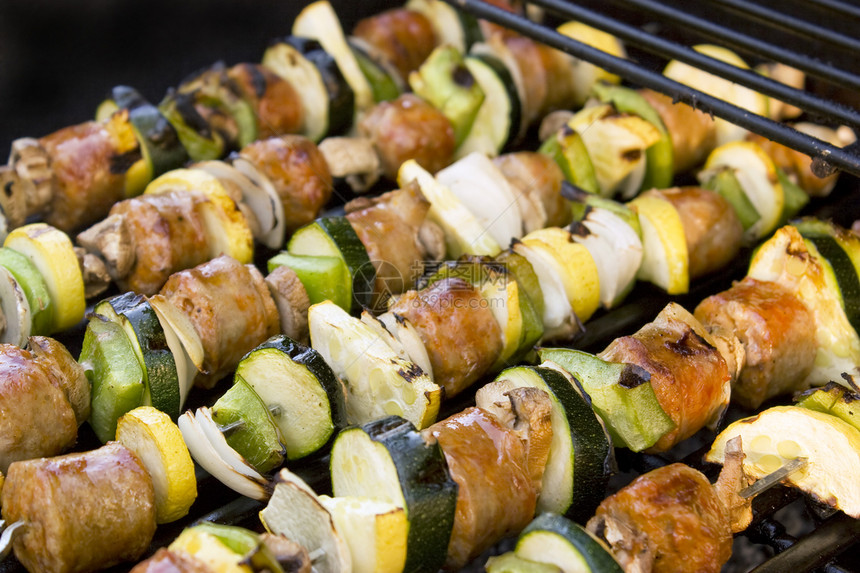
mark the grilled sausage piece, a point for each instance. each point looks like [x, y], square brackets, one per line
[67, 372]
[711, 225]
[692, 131]
[537, 180]
[168, 233]
[231, 309]
[671, 521]
[462, 336]
[388, 227]
[402, 37]
[299, 173]
[37, 418]
[409, 128]
[689, 375]
[276, 102]
[773, 326]
[495, 495]
[89, 174]
[83, 511]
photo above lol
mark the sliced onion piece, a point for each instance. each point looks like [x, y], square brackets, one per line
[197, 433]
[182, 327]
[16, 310]
[262, 197]
[488, 195]
[186, 370]
[404, 331]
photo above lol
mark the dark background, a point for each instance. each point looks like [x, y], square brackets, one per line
[59, 58]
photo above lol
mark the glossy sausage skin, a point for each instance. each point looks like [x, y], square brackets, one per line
[299, 173]
[462, 336]
[84, 511]
[276, 102]
[684, 525]
[495, 495]
[231, 309]
[692, 131]
[774, 327]
[688, 374]
[409, 128]
[67, 372]
[168, 234]
[388, 227]
[36, 417]
[538, 178]
[88, 176]
[402, 37]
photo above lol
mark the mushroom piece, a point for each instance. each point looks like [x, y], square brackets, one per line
[527, 412]
[353, 159]
[94, 272]
[292, 300]
[111, 241]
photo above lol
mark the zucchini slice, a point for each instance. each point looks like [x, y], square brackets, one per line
[114, 372]
[319, 21]
[35, 289]
[335, 237]
[454, 27]
[552, 539]
[159, 143]
[388, 460]
[385, 82]
[499, 117]
[581, 455]
[327, 99]
[135, 315]
[51, 251]
[378, 381]
[300, 390]
[841, 251]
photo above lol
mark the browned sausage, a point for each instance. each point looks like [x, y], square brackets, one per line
[168, 234]
[83, 511]
[402, 37]
[495, 495]
[674, 522]
[538, 178]
[688, 374]
[299, 173]
[409, 128]
[774, 327]
[462, 336]
[275, 101]
[231, 309]
[692, 131]
[711, 225]
[89, 174]
[388, 227]
[67, 373]
[36, 418]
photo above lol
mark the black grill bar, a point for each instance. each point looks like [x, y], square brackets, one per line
[827, 155]
[843, 8]
[774, 18]
[672, 50]
[737, 39]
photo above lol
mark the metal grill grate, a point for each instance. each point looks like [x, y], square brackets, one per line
[827, 157]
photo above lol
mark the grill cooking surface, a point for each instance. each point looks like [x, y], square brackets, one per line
[817, 36]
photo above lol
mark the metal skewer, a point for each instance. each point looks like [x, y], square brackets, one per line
[773, 478]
